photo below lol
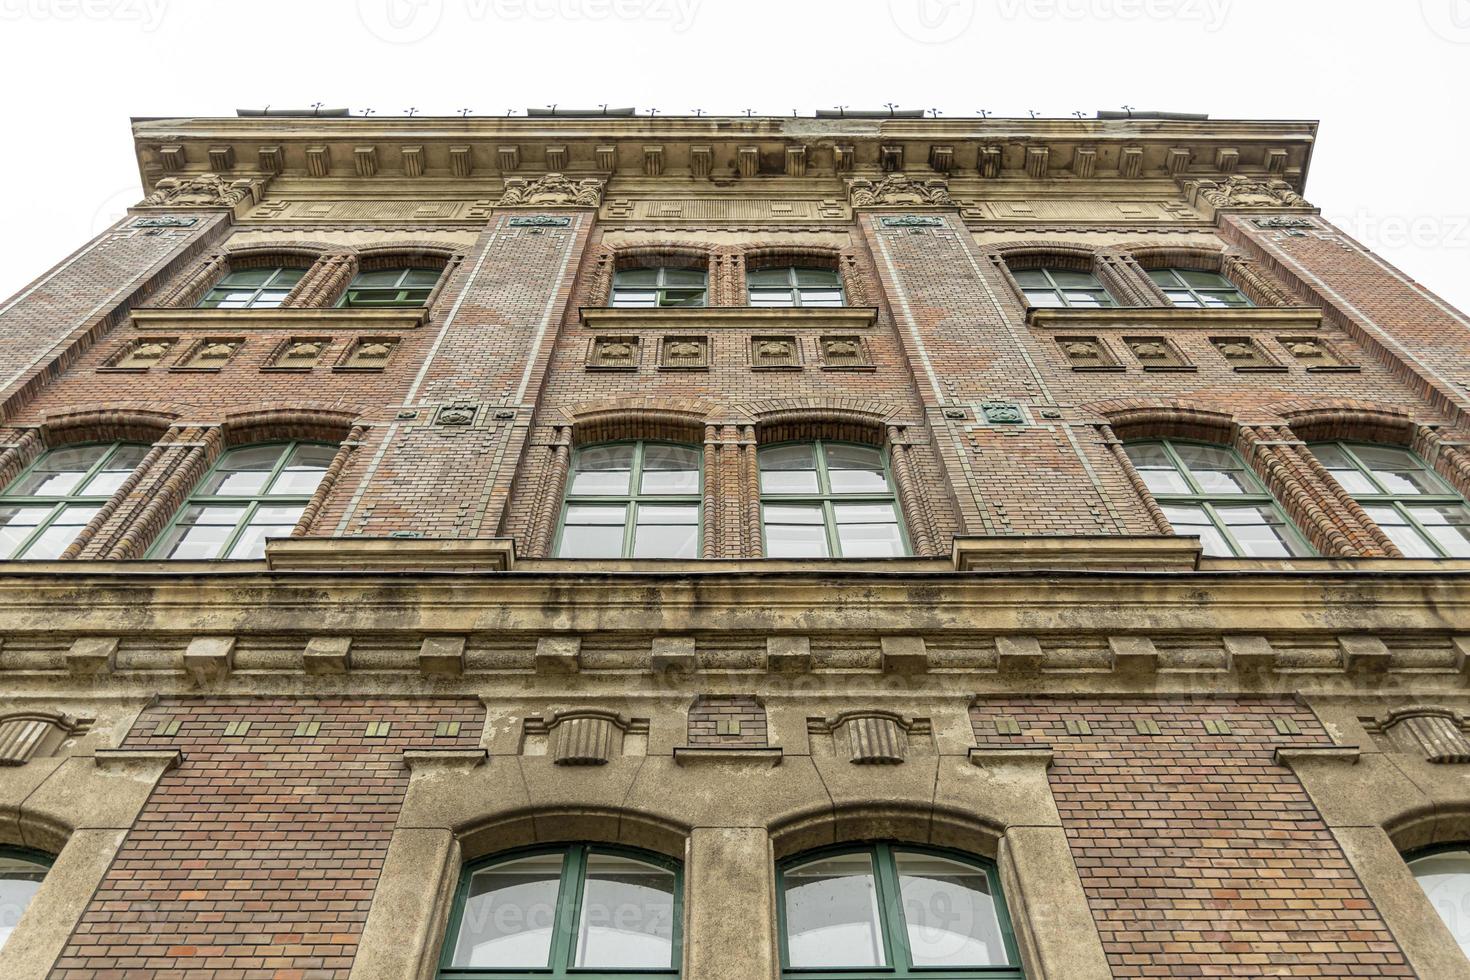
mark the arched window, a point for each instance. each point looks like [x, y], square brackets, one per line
[1062, 287]
[1418, 510]
[632, 500]
[1195, 289]
[21, 874]
[46, 507]
[1444, 874]
[1208, 491]
[659, 286]
[828, 500]
[794, 286]
[890, 910]
[253, 289]
[381, 288]
[578, 910]
[250, 494]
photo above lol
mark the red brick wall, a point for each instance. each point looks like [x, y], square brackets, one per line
[259, 855]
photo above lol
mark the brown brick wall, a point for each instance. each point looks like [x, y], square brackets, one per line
[1199, 854]
[258, 856]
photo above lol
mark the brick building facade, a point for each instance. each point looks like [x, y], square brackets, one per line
[732, 548]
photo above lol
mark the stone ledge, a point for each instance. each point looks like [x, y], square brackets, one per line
[1172, 317]
[1073, 553]
[1021, 755]
[223, 321]
[1290, 755]
[124, 759]
[730, 317]
[444, 760]
[697, 755]
[390, 554]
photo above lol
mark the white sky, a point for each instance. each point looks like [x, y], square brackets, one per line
[1387, 79]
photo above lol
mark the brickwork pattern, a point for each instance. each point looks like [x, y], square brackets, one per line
[730, 721]
[1199, 854]
[258, 856]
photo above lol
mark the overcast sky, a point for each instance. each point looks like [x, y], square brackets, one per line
[1387, 79]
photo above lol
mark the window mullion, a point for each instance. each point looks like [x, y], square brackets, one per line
[1407, 513]
[1220, 526]
[1362, 468]
[240, 526]
[568, 909]
[890, 911]
[40, 529]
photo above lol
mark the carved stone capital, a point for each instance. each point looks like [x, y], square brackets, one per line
[1241, 191]
[204, 191]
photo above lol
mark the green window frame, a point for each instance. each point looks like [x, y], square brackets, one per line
[571, 913]
[390, 288]
[44, 508]
[1050, 287]
[253, 289]
[266, 487]
[20, 869]
[589, 505]
[793, 502]
[1413, 505]
[1442, 894]
[1208, 492]
[891, 916]
[794, 285]
[1193, 289]
[659, 286]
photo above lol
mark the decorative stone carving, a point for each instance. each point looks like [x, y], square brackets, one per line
[365, 160]
[460, 413]
[990, 161]
[1002, 413]
[774, 352]
[614, 354]
[369, 354]
[413, 161]
[557, 158]
[898, 190]
[211, 354]
[297, 353]
[701, 160]
[201, 191]
[141, 354]
[1313, 352]
[25, 735]
[550, 190]
[1155, 353]
[584, 737]
[941, 158]
[912, 221]
[847, 351]
[1243, 191]
[1087, 353]
[461, 161]
[1434, 732]
[1244, 353]
[890, 157]
[1130, 161]
[872, 737]
[541, 221]
[684, 353]
[1278, 221]
[1084, 161]
[319, 160]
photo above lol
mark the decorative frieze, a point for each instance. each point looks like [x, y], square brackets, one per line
[1084, 161]
[1086, 353]
[683, 353]
[209, 354]
[775, 353]
[1241, 191]
[296, 354]
[1038, 159]
[1003, 413]
[844, 352]
[941, 158]
[1315, 354]
[1130, 162]
[796, 161]
[367, 354]
[1245, 354]
[870, 738]
[140, 354]
[1157, 354]
[890, 157]
[557, 157]
[206, 190]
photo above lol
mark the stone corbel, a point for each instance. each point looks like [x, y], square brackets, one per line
[25, 735]
[584, 737]
[871, 737]
[898, 190]
[206, 190]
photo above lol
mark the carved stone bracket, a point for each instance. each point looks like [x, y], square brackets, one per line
[551, 189]
[1240, 191]
[870, 738]
[585, 737]
[205, 191]
[898, 190]
[25, 735]
[1433, 732]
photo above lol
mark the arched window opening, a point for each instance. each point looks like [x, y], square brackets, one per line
[1414, 506]
[45, 508]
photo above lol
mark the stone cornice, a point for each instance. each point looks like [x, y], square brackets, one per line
[738, 317]
[223, 321]
[1165, 317]
[370, 150]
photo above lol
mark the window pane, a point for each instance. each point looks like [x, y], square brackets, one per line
[816, 277]
[603, 471]
[869, 540]
[119, 467]
[597, 514]
[1192, 522]
[1044, 298]
[1031, 277]
[1399, 471]
[832, 913]
[241, 472]
[821, 297]
[1259, 531]
[855, 469]
[627, 915]
[1164, 277]
[666, 532]
[1156, 469]
[636, 277]
[670, 470]
[795, 540]
[267, 522]
[948, 912]
[682, 297]
[1203, 280]
[51, 542]
[684, 277]
[1445, 878]
[59, 472]
[509, 914]
[303, 471]
[19, 881]
[635, 298]
[788, 469]
[201, 532]
[779, 276]
[593, 532]
[17, 524]
[771, 297]
[1448, 525]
